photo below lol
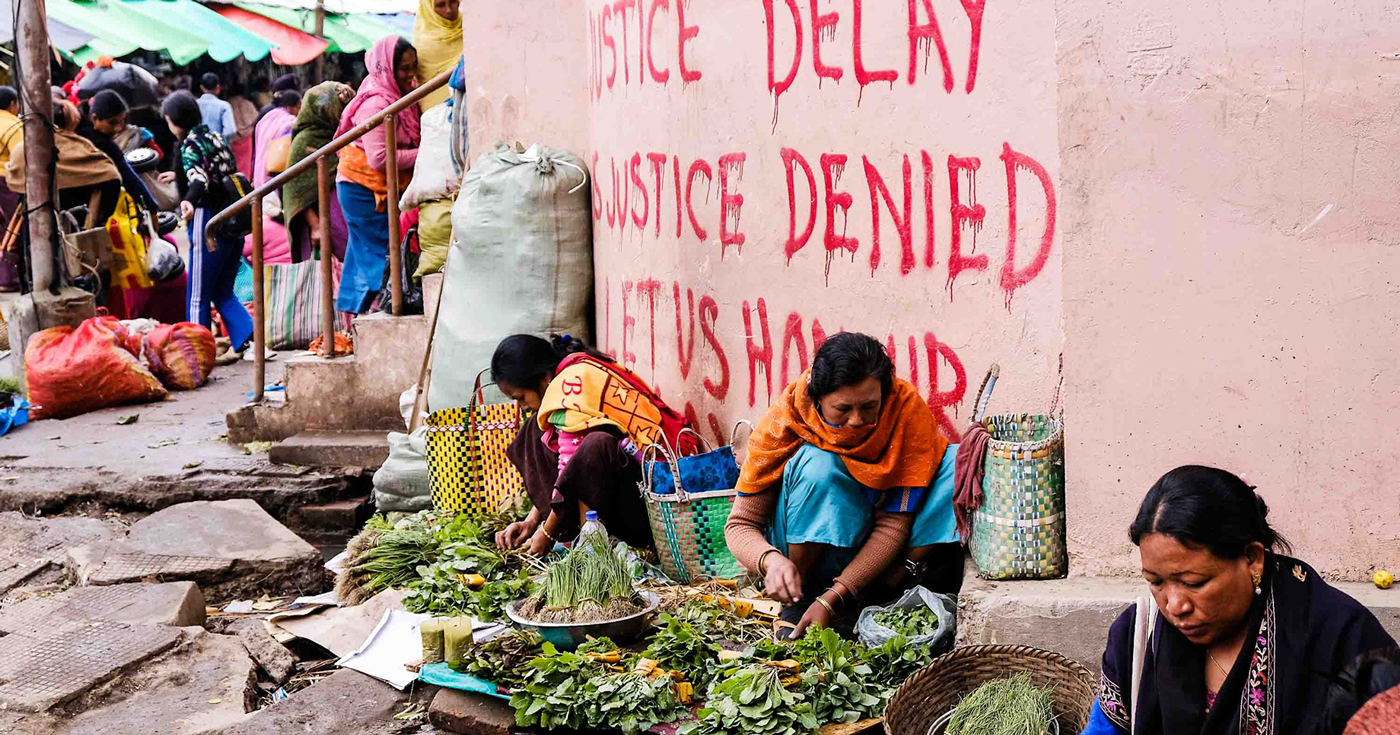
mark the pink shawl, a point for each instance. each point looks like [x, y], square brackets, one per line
[379, 90]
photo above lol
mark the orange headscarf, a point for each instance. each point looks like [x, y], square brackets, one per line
[903, 449]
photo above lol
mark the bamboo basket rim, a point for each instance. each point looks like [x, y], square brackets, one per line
[1074, 683]
[1056, 436]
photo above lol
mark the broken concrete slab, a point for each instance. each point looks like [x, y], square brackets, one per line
[42, 669]
[344, 702]
[31, 545]
[177, 604]
[364, 450]
[229, 547]
[207, 683]
[469, 713]
[272, 657]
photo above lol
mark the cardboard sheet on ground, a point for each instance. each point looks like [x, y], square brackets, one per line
[340, 630]
[393, 644]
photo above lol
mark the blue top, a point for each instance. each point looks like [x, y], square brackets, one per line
[218, 115]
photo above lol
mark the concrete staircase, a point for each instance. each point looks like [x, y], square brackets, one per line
[357, 393]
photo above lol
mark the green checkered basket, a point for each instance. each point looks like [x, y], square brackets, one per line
[1019, 531]
[688, 528]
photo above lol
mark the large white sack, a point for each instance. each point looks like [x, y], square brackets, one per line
[434, 176]
[522, 262]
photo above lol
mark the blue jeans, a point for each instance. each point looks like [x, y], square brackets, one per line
[210, 283]
[367, 253]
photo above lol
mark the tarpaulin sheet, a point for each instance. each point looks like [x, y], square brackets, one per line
[352, 6]
[291, 46]
[348, 34]
[61, 35]
[119, 30]
[227, 40]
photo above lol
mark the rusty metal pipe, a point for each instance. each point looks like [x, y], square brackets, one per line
[391, 170]
[259, 305]
[324, 194]
[305, 164]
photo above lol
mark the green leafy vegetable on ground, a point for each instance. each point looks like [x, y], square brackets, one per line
[681, 646]
[910, 622]
[1014, 706]
[503, 660]
[751, 699]
[840, 686]
[556, 692]
[895, 660]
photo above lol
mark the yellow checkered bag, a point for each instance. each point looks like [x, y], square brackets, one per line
[468, 471]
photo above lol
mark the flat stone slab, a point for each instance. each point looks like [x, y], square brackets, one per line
[344, 702]
[364, 450]
[29, 546]
[228, 546]
[469, 713]
[176, 604]
[42, 670]
[208, 683]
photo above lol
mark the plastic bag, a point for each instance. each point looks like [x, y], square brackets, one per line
[401, 483]
[163, 262]
[180, 355]
[75, 370]
[434, 177]
[873, 634]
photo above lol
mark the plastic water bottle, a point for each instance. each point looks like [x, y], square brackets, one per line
[591, 525]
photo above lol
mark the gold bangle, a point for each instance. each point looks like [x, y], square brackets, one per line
[762, 557]
[826, 605]
[547, 534]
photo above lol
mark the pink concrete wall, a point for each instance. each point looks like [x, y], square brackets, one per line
[1230, 209]
[1204, 216]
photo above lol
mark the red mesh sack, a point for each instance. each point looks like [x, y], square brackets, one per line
[72, 371]
[181, 355]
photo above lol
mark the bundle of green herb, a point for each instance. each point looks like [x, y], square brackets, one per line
[592, 574]
[895, 660]
[633, 703]
[841, 687]
[555, 692]
[1014, 706]
[751, 699]
[910, 622]
[503, 659]
[718, 624]
[681, 647]
[393, 562]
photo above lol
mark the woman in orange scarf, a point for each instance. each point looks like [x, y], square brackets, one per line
[846, 475]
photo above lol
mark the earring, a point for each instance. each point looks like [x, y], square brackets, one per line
[1258, 579]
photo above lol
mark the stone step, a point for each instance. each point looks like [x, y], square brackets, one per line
[364, 450]
[342, 518]
[469, 713]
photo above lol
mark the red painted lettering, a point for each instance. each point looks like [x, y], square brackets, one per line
[792, 334]
[657, 161]
[833, 165]
[628, 322]
[759, 356]
[775, 87]
[974, 10]
[970, 213]
[730, 204]
[709, 312]
[921, 35]
[608, 41]
[794, 242]
[939, 400]
[1011, 278]
[640, 220]
[928, 208]
[820, 24]
[685, 348]
[620, 9]
[864, 76]
[663, 75]
[648, 287]
[699, 166]
[686, 33]
[903, 223]
[597, 193]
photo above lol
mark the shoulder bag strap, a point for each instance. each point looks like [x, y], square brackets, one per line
[1144, 626]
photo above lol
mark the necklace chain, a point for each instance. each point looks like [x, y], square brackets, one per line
[1217, 664]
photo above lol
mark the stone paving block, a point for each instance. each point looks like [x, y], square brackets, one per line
[176, 604]
[28, 546]
[272, 657]
[469, 713]
[42, 670]
[344, 702]
[135, 566]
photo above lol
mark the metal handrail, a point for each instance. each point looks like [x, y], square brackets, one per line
[386, 117]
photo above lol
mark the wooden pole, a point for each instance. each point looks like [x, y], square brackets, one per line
[37, 105]
[321, 34]
[259, 306]
[391, 169]
[324, 194]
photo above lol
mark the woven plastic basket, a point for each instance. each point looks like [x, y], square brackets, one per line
[1019, 531]
[688, 528]
[937, 688]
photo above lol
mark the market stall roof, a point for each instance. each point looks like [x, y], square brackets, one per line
[61, 35]
[119, 30]
[348, 34]
[342, 7]
[402, 23]
[227, 40]
[292, 47]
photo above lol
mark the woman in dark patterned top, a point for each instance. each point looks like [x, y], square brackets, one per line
[1235, 639]
[204, 162]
